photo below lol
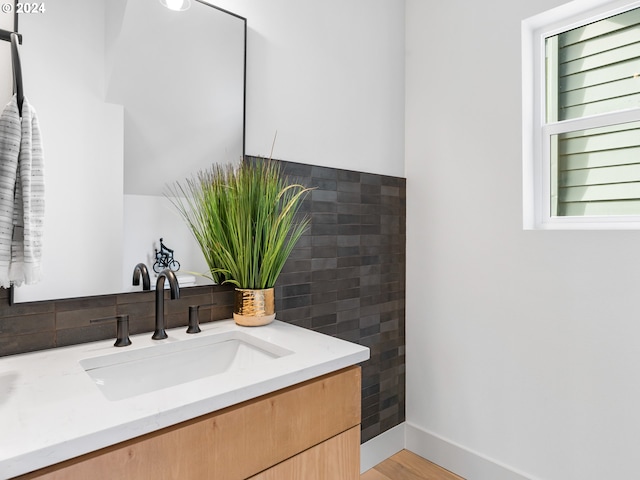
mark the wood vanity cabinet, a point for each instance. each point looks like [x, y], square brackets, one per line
[309, 431]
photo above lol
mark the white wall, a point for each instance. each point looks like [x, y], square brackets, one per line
[522, 346]
[329, 78]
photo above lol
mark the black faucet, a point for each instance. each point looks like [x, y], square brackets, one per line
[141, 270]
[159, 334]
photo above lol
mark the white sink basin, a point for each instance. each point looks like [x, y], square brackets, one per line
[129, 373]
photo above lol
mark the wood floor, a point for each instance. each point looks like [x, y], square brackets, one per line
[406, 465]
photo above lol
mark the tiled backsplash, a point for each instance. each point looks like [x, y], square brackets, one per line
[346, 278]
[25, 327]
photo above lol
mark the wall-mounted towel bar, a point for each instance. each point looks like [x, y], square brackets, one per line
[15, 39]
[17, 70]
[6, 36]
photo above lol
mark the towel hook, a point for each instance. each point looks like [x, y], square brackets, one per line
[17, 71]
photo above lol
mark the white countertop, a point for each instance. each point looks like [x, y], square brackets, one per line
[51, 410]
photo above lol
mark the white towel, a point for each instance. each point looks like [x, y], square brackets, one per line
[21, 195]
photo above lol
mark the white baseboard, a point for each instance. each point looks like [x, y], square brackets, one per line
[456, 458]
[381, 447]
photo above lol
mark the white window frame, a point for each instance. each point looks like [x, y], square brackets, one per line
[536, 134]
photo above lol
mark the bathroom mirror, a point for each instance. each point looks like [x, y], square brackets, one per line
[131, 97]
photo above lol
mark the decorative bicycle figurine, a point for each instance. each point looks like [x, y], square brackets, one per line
[164, 259]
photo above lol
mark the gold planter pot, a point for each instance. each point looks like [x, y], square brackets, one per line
[253, 308]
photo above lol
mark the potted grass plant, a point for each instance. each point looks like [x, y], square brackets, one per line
[246, 220]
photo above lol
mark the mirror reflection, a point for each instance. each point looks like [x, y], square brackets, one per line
[131, 96]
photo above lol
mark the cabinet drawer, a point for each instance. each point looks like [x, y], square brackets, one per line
[336, 458]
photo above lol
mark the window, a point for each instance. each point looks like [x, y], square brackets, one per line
[581, 117]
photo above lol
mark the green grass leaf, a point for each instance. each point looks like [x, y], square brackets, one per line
[245, 218]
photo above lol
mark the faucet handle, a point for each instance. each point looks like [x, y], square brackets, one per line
[194, 321]
[122, 329]
[194, 317]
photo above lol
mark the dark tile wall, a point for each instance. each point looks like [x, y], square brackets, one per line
[346, 278]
